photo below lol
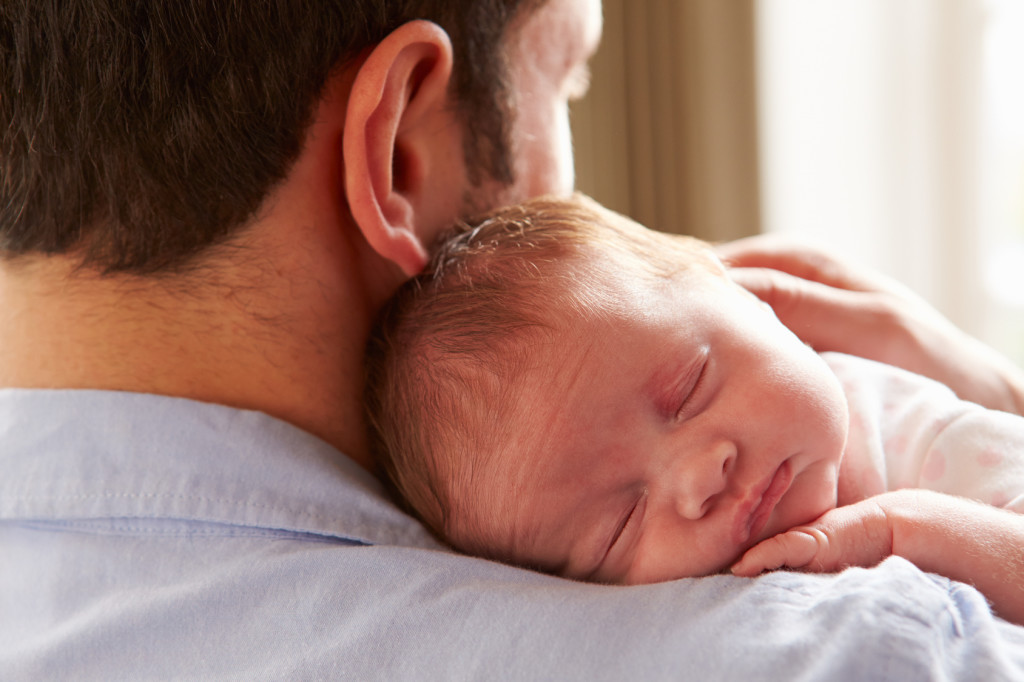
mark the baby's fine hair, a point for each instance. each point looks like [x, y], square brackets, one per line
[447, 355]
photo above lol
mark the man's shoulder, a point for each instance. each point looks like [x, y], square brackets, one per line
[73, 455]
[118, 564]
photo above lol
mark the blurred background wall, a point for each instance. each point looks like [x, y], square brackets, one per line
[889, 131]
[668, 133]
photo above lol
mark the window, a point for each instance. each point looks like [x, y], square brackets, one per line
[892, 131]
[1002, 198]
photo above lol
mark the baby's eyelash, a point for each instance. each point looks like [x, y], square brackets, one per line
[623, 524]
[688, 398]
[635, 512]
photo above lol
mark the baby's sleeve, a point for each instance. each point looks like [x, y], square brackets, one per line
[931, 439]
[979, 455]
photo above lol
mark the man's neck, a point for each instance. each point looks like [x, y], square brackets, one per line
[282, 334]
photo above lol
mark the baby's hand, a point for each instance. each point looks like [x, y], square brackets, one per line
[856, 535]
[960, 539]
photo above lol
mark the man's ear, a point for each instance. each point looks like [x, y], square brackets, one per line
[399, 140]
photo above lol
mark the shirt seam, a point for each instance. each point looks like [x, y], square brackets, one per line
[238, 504]
[229, 531]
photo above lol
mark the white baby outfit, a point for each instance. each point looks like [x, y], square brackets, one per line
[907, 431]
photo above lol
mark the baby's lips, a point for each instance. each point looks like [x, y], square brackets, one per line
[754, 513]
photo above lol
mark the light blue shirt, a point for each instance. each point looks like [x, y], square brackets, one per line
[145, 537]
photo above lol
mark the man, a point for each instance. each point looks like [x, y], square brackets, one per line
[204, 205]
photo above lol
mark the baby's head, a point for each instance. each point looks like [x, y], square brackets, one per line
[567, 390]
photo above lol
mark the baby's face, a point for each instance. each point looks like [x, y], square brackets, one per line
[663, 444]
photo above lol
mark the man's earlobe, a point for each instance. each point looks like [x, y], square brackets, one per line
[398, 139]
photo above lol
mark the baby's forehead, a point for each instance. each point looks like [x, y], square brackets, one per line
[635, 252]
[603, 287]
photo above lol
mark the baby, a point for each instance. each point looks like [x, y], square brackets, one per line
[568, 391]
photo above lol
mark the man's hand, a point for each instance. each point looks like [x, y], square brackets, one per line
[834, 306]
[855, 535]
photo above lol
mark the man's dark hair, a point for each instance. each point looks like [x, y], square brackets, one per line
[140, 132]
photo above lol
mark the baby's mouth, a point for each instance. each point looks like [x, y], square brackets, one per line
[755, 511]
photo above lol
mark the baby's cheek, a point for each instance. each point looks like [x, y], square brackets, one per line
[814, 492]
[837, 421]
[701, 552]
[871, 482]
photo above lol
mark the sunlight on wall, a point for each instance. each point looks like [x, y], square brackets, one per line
[892, 132]
[1003, 187]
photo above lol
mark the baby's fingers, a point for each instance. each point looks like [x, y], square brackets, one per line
[796, 548]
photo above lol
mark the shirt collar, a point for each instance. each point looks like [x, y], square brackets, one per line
[81, 454]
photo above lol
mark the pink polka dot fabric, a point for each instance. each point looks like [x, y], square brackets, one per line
[907, 431]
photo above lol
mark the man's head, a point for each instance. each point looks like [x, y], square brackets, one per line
[212, 199]
[565, 389]
[138, 134]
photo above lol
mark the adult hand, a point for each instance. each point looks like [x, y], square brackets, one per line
[834, 306]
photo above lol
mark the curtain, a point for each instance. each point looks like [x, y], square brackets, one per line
[668, 133]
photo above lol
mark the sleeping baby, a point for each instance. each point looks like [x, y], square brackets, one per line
[568, 391]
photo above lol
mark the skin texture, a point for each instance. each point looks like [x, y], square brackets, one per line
[670, 425]
[660, 433]
[379, 175]
[834, 306]
[381, 172]
[961, 539]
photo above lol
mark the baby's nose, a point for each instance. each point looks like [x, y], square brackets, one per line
[704, 477]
